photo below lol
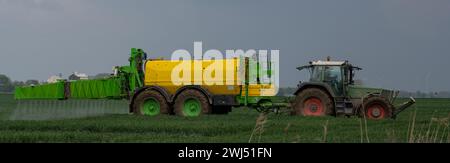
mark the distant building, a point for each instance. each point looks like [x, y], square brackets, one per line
[54, 79]
[78, 76]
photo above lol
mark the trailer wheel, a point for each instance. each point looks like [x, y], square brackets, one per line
[376, 108]
[150, 103]
[192, 103]
[313, 102]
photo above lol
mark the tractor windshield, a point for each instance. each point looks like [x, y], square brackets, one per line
[328, 74]
[332, 74]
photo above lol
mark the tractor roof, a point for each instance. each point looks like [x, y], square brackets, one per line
[328, 63]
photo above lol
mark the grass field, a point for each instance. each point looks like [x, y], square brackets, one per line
[427, 121]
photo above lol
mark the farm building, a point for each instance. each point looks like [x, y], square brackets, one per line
[78, 76]
[53, 79]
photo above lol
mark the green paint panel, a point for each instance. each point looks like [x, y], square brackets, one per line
[45, 91]
[355, 91]
[255, 100]
[96, 89]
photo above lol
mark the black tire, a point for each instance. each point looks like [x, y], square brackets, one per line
[146, 95]
[318, 101]
[376, 108]
[206, 108]
[221, 109]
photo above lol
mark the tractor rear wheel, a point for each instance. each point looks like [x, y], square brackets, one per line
[313, 102]
[192, 103]
[150, 103]
[376, 108]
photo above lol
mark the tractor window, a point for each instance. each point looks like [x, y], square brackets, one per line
[316, 74]
[333, 74]
[326, 74]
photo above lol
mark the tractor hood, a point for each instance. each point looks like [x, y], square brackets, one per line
[359, 91]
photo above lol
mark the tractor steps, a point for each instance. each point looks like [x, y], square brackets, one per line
[343, 106]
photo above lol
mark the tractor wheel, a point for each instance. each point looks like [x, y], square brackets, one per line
[313, 102]
[150, 103]
[192, 103]
[376, 108]
[221, 109]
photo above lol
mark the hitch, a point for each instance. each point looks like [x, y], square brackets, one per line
[276, 107]
[403, 107]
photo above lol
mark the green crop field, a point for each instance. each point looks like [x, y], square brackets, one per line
[427, 121]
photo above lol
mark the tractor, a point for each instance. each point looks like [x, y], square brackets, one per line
[332, 90]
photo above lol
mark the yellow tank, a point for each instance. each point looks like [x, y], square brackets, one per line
[219, 77]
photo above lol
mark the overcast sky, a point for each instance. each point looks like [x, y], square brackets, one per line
[401, 44]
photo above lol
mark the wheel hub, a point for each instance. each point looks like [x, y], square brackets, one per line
[151, 107]
[192, 108]
[313, 107]
[376, 112]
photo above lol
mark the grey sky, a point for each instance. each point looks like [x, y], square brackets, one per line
[402, 44]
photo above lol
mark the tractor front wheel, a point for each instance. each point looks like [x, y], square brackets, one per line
[313, 102]
[377, 108]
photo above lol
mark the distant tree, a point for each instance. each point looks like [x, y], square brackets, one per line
[359, 82]
[444, 94]
[32, 82]
[420, 94]
[433, 94]
[18, 83]
[281, 92]
[102, 76]
[5, 84]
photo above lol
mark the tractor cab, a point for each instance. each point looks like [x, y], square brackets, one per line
[336, 74]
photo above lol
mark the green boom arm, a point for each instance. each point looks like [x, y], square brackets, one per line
[134, 73]
[127, 80]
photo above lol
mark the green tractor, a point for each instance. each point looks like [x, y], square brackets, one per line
[331, 90]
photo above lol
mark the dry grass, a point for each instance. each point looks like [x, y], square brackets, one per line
[259, 126]
[436, 131]
[325, 132]
[286, 132]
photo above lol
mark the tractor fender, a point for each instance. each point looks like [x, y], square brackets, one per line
[161, 90]
[195, 87]
[322, 86]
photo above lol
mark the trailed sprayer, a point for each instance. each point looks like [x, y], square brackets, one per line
[149, 87]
